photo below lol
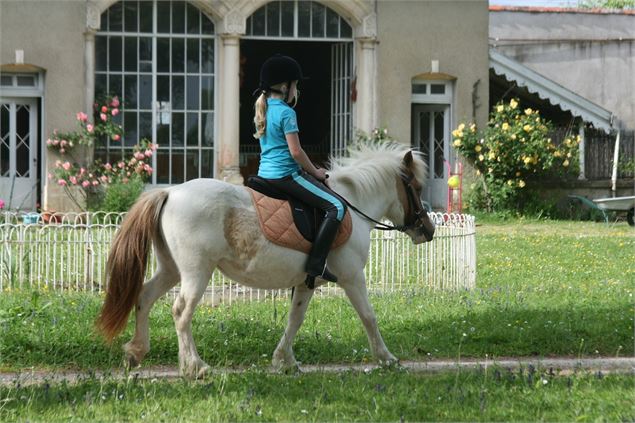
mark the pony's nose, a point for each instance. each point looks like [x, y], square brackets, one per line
[427, 230]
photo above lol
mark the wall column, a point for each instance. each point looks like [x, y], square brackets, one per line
[228, 113]
[93, 23]
[89, 72]
[366, 85]
[366, 37]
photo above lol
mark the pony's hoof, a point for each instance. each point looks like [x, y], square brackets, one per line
[204, 372]
[196, 371]
[391, 362]
[130, 361]
[293, 369]
[133, 355]
[286, 367]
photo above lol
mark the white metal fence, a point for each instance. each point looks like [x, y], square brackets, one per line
[69, 252]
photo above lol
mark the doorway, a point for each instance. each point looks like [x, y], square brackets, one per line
[431, 127]
[18, 152]
[324, 107]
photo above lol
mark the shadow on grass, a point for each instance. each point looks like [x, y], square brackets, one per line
[61, 335]
[377, 396]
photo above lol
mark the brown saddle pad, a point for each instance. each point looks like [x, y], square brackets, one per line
[276, 223]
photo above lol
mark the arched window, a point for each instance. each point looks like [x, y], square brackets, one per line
[158, 57]
[306, 23]
[297, 19]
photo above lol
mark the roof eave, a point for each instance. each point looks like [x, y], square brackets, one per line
[551, 91]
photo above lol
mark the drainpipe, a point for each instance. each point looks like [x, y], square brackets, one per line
[616, 157]
[582, 152]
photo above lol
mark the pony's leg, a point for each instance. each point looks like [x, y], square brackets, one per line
[283, 358]
[358, 295]
[164, 279]
[192, 289]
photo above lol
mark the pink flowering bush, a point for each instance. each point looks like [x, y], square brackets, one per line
[90, 134]
[103, 186]
[96, 179]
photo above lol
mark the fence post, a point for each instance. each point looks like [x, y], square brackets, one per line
[616, 158]
[581, 152]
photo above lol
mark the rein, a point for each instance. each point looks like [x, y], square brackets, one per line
[380, 225]
[386, 227]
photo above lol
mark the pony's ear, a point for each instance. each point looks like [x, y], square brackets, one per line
[407, 159]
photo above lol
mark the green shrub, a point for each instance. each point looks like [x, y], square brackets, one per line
[119, 196]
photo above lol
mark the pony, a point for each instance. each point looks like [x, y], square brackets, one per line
[207, 224]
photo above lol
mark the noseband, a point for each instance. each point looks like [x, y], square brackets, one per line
[416, 211]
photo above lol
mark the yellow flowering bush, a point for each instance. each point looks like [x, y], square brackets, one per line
[511, 154]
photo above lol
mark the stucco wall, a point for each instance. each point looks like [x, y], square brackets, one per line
[51, 35]
[590, 54]
[411, 34]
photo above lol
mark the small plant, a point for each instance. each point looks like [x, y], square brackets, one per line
[119, 197]
[625, 165]
[376, 136]
[511, 154]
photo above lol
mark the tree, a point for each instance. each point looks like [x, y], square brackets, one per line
[607, 4]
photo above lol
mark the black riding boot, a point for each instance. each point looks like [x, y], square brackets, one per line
[316, 264]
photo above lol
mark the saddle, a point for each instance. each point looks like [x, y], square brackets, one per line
[287, 221]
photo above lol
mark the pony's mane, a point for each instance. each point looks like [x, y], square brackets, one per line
[372, 165]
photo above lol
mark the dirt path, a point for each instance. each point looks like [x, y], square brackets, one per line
[557, 365]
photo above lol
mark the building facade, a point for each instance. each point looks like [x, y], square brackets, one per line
[578, 67]
[590, 52]
[185, 72]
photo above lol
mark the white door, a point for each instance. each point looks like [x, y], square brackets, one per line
[431, 124]
[341, 116]
[18, 153]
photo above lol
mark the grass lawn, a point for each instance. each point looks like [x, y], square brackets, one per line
[494, 395]
[543, 289]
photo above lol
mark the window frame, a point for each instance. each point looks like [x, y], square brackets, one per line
[205, 36]
[342, 23]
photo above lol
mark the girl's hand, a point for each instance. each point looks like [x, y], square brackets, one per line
[320, 174]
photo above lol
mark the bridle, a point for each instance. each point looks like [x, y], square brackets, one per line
[414, 215]
[416, 211]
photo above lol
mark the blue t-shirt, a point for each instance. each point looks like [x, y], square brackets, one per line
[275, 158]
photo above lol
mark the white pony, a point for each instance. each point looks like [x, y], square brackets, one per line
[206, 224]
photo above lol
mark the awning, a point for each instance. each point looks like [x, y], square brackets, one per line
[20, 68]
[551, 91]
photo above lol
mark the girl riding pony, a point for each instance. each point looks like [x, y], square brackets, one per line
[285, 165]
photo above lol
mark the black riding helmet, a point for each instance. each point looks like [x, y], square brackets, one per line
[276, 70]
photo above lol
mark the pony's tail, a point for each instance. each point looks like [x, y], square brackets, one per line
[127, 261]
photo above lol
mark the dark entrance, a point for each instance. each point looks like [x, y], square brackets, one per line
[313, 109]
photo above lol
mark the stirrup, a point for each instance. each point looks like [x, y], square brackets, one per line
[327, 275]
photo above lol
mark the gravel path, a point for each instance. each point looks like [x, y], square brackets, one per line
[557, 365]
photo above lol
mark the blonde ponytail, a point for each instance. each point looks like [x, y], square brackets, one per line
[260, 116]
